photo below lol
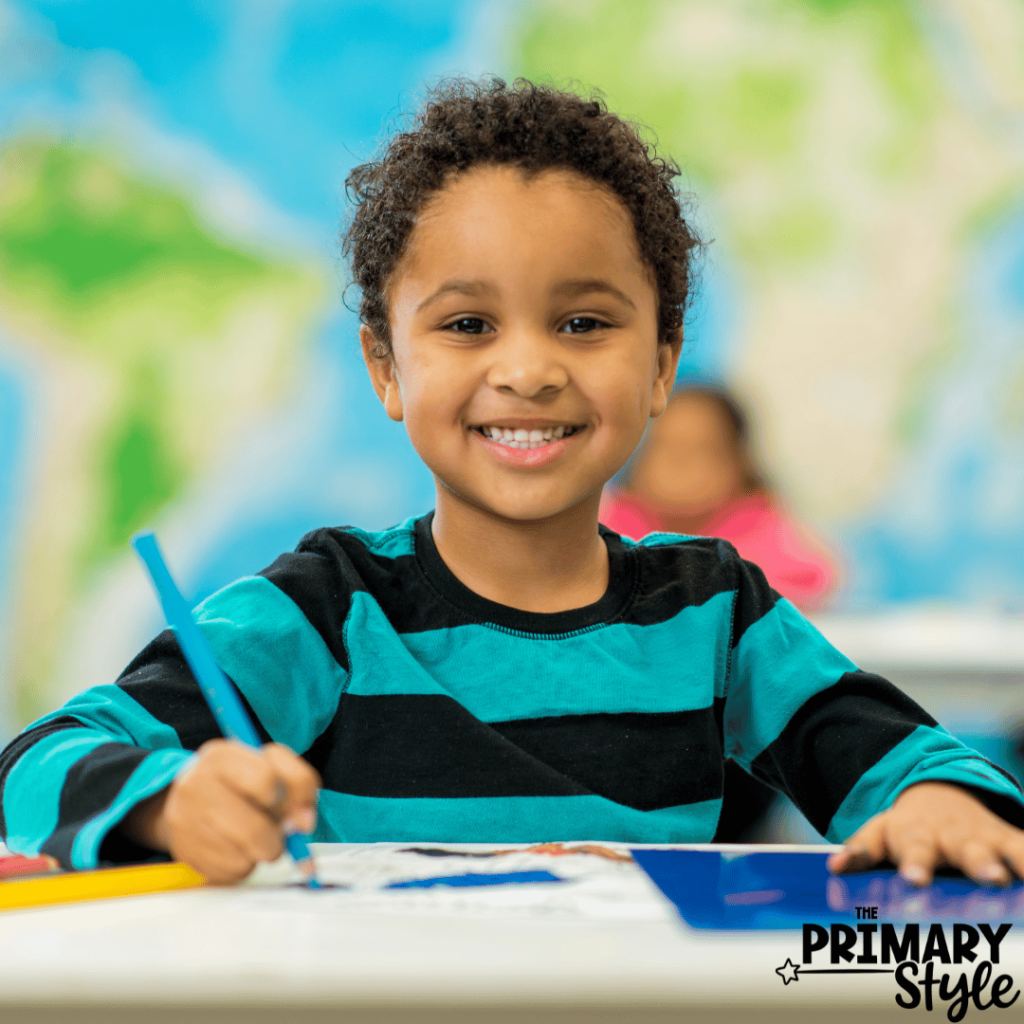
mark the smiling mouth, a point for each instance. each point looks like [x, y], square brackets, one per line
[519, 437]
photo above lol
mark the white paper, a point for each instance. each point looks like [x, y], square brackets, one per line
[597, 881]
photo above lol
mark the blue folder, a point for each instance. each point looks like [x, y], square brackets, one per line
[772, 890]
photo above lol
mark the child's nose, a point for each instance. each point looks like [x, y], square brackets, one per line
[528, 364]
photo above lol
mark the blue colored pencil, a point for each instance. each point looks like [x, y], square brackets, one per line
[220, 694]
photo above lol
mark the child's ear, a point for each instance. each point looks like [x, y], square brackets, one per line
[665, 371]
[382, 374]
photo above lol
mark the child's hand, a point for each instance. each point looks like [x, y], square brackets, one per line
[935, 824]
[228, 811]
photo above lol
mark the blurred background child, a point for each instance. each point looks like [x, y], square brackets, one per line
[696, 474]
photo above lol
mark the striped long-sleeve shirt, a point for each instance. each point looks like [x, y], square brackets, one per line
[432, 713]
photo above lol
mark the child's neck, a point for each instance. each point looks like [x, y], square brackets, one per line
[549, 565]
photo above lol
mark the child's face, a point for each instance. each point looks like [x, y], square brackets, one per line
[523, 305]
[690, 460]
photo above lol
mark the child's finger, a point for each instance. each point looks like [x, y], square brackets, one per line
[300, 784]
[249, 827]
[978, 859]
[213, 855]
[244, 770]
[207, 805]
[865, 848]
[1011, 849]
[916, 856]
[975, 853]
[253, 831]
[200, 834]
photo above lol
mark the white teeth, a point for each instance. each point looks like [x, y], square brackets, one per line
[526, 439]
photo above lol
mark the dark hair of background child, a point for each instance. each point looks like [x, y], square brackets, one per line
[464, 124]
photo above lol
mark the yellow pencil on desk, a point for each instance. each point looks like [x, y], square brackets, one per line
[103, 884]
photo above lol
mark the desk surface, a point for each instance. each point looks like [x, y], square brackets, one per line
[610, 948]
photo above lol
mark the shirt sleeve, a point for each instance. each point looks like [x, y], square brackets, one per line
[73, 776]
[841, 743]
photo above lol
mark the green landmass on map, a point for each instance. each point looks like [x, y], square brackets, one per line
[162, 336]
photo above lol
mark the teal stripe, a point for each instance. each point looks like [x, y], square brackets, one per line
[262, 640]
[927, 754]
[394, 543]
[120, 717]
[156, 772]
[499, 676]
[380, 663]
[657, 540]
[780, 661]
[32, 791]
[524, 819]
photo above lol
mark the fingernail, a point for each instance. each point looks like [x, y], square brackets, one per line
[994, 874]
[915, 874]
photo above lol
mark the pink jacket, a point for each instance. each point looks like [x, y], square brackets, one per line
[795, 563]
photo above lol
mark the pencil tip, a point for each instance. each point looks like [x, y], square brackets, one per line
[308, 868]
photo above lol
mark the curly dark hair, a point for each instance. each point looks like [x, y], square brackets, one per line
[536, 128]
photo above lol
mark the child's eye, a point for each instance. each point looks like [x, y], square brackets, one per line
[469, 325]
[582, 325]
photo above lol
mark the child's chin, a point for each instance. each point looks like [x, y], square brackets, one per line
[536, 512]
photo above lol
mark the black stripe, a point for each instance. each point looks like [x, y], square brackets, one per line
[426, 745]
[12, 752]
[647, 585]
[397, 584]
[678, 576]
[754, 597]
[641, 760]
[719, 708]
[745, 802]
[834, 738]
[474, 608]
[160, 680]
[320, 579]
[90, 786]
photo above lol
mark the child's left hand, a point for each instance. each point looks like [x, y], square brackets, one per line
[935, 824]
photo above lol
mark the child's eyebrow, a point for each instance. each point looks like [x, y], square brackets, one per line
[565, 289]
[460, 287]
[585, 285]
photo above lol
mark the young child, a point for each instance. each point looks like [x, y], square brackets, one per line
[695, 474]
[502, 669]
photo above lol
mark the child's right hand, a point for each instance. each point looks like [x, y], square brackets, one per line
[228, 811]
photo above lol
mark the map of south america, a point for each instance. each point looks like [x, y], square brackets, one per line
[150, 340]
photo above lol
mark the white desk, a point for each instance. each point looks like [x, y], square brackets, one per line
[238, 955]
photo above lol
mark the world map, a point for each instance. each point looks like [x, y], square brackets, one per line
[176, 351]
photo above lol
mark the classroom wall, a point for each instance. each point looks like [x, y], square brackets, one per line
[175, 349]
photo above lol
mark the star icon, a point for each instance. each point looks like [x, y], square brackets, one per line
[788, 972]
